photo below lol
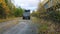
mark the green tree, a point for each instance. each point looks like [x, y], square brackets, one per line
[18, 12]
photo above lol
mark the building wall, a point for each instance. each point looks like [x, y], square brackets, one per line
[51, 3]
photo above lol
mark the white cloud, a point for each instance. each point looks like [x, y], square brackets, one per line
[42, 0]
[27, 4]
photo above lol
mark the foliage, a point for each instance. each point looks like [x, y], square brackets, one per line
[18, 12]
[8, 9]
[52, 18]
[4, 10]
[50, 13]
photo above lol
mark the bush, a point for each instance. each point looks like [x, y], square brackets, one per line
[18, 12]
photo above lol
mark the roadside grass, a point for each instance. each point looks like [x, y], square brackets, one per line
[44, 26]
[8, 19]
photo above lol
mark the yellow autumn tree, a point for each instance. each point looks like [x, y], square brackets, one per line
[5, 10]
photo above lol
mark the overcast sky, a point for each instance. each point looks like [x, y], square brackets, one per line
[27, 4]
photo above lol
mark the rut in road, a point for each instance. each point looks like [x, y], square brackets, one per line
[23, 27]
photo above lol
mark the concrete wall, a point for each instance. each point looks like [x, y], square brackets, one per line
[51, 3]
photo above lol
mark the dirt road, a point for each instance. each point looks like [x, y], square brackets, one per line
[23, 27]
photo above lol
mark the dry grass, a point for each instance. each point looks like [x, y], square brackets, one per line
[3, 20]
[45, 26]
[7, 19]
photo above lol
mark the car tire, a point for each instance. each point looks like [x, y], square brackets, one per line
[29, 18]
[23, 17]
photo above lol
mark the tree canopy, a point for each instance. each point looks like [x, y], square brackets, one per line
[7, 9]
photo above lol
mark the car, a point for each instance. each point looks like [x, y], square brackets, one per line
[26, 14]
